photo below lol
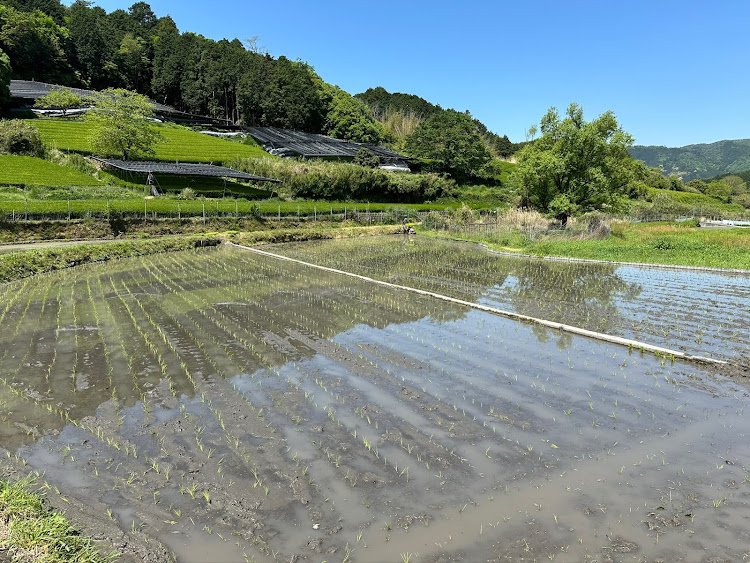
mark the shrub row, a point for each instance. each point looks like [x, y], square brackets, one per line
[340, 181]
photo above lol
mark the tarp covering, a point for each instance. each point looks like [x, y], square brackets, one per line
[286, 142]
[181, 169]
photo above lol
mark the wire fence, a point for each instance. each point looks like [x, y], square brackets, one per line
[20, 211]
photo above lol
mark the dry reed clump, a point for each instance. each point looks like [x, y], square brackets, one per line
[599, 226]
[400, 124]
[524, 219]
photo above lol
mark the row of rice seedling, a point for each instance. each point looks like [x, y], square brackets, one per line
[690, 311]
[223, 398]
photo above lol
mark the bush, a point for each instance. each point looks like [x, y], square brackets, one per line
[463, 215]
[436, 221]
[366, 158]
[187, 193]
[19, 138]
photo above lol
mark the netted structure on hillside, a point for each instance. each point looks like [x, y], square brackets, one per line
[289, 143]
[181, 169]
[27, 92]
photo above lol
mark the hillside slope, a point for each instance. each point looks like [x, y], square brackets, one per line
[697, 161]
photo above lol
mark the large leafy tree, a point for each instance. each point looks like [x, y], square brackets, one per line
[575, 165]
[453, 139]
[122, 125]
[348, 117]
[63, 99]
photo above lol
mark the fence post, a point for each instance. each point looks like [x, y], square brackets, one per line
[145, 216]
[178, 211]
[204, 211]
[107, 205]
[279, 212]
[68, 211]
[315, 211]
[26, 209]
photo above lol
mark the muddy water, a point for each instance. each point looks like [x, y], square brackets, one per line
[225, 406]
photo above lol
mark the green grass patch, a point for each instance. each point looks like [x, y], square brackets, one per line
[36, 533]
[681, 244]
[30, 171]
[181, 144]
[695, 201]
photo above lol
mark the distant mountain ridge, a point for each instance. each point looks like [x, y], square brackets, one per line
[697, 161]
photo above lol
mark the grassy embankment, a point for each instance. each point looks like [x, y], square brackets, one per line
[681, 244]
[31, 531]
[18, 265]
[25, 263]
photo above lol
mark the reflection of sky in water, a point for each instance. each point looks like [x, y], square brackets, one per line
[701, 312]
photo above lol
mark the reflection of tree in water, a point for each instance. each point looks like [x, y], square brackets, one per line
[582, 295]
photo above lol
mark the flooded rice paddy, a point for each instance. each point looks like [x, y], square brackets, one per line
[220, 405]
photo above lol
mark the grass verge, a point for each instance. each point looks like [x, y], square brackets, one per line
[31, 531]
[678, 244]
[20, 265]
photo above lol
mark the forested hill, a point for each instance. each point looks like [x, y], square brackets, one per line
[697, 161]
[401, 113]
[83, 45]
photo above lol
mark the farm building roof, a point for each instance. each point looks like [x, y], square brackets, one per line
[32, 90]
[286, 142]
[181, 169]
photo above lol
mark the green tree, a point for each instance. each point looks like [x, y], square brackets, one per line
[719, 190]
[5, 74]
[91, 53]
[575, 166]
[122, 125]
[63, 99]
[736, 184]
[451, 138]
[350, 119]
[35, 45]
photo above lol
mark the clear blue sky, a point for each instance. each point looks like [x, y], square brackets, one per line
[674, 72]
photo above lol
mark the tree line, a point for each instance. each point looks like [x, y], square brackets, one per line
[83, 45]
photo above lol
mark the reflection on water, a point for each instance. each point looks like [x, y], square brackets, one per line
[700, 313]
[229, 404]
